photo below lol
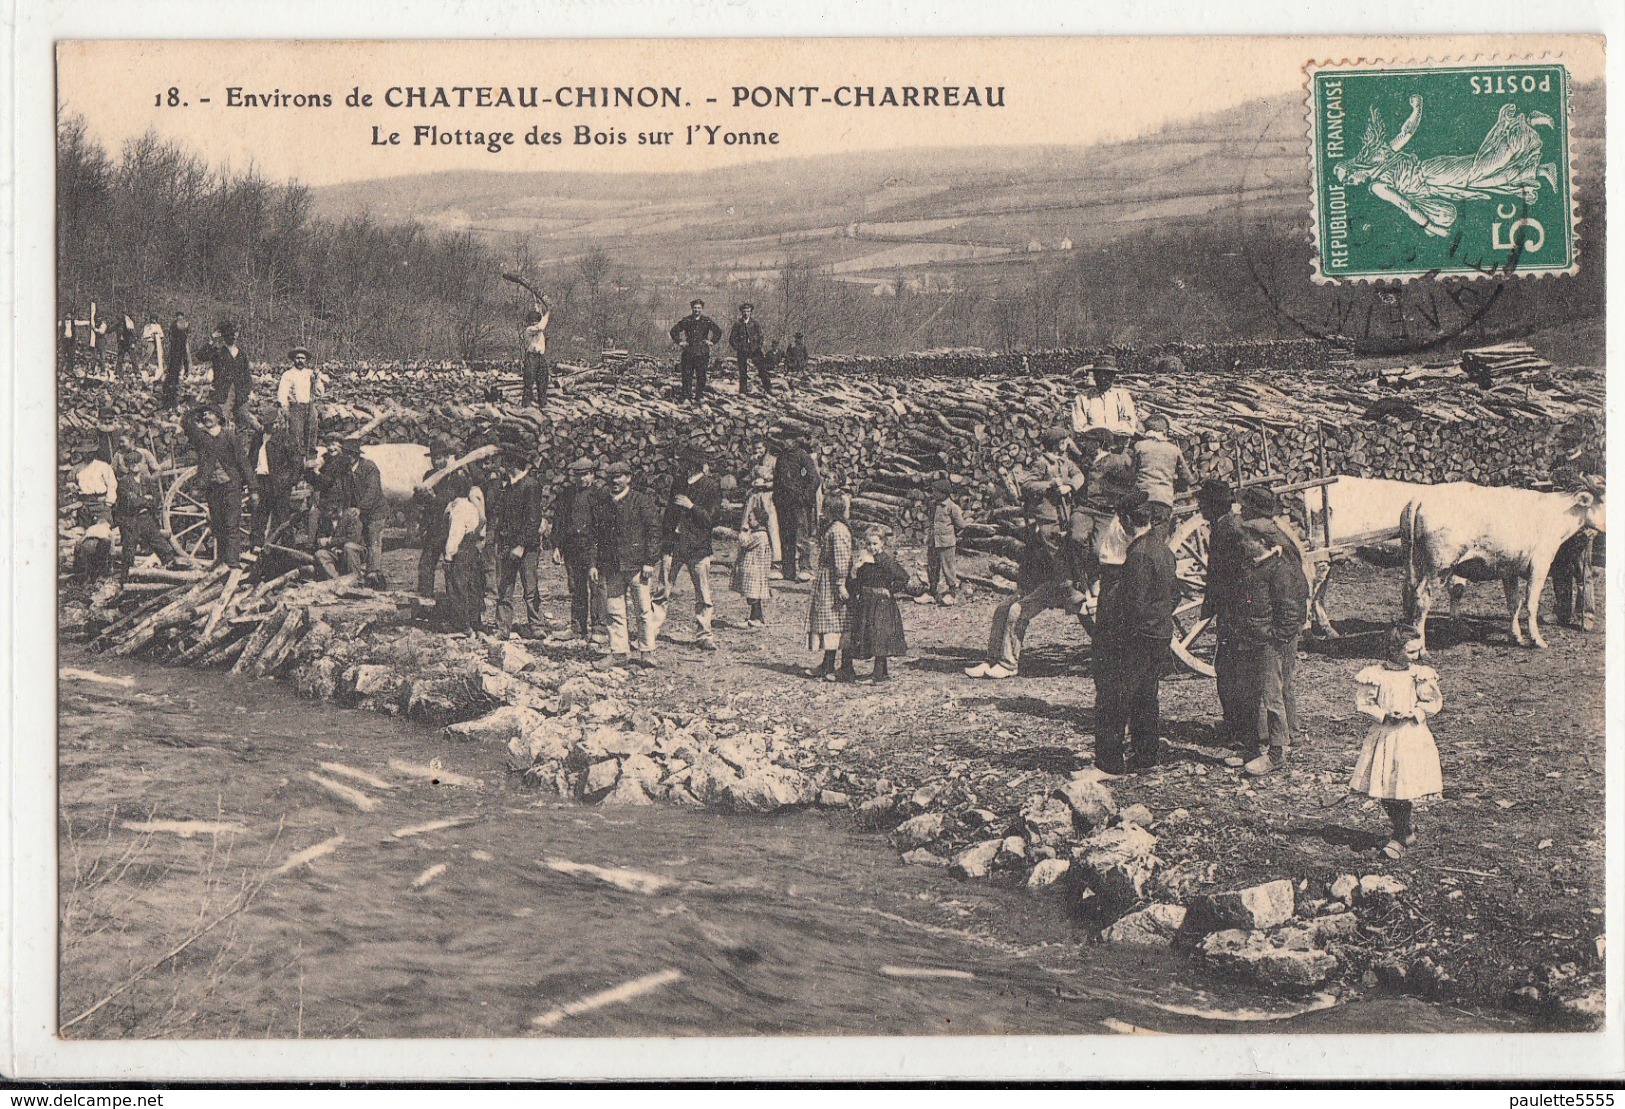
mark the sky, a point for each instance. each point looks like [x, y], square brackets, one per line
[1071, 91]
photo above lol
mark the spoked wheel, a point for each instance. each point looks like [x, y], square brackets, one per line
[1191, 644]
[186, 518]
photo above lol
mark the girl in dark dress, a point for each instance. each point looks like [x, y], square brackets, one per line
[877, 623]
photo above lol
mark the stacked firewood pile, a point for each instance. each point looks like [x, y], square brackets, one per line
[1487, 365]
[885, 442]
[1270, 355]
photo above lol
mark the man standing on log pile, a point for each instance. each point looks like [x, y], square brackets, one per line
[694, 334]
[432, 521]
[795, 355]
[691, 513]
[357, 486]
[1216, 500]
[225, 473]
[279, 466]
[745, 337]
[575, 547]
[1042, 583]
[626, 543]
[1160, 467]
[464, 607]
[233, 383]
[517, 523]
[1132, 629]
[296, 392]
[177, 360]
[1270, 604]
[1106, 404]
[135, 511]
[796, 485]
[535, 368]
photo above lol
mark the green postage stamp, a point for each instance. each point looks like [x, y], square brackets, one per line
[1440, 170]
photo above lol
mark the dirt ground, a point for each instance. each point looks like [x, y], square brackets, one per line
[1504, 891]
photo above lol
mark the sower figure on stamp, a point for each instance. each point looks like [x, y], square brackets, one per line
[1132, 630]
[694, 334]
[626, 534]
[691, 513]
[796, 486]
[535, 368]
[517, 524]
[575, 546]
[745, 337]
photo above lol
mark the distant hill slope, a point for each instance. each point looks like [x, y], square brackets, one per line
[881, 212]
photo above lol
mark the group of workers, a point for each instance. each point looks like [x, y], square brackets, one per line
[695, 333]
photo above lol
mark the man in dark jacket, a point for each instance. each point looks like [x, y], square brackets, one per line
[796, 482]
[358, 488]
[431, 505]
[626, 541]
[691, 513]
[1216, 500]
[177, 359]
[1271, 602]
[516, 521]
[694, 334]
[225, 473]
[745, 337]
[135, 512]
[795, 355]
[284, 468]
[233, 383]
[575, 544]
[1132, 630]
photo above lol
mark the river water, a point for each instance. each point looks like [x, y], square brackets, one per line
[796, 924]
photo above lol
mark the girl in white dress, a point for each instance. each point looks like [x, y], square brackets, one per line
[1399, 764]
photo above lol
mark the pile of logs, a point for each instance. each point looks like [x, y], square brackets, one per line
[1487, 365]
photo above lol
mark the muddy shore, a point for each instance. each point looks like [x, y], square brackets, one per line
[1501, 903]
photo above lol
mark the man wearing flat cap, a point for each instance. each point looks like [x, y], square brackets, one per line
[433, 523]
[1270, 603]
[1104, 404]
[626, 539]
[694, 334]
[1132, 628]
[296, 392]
[575, 545]
[352, 484]
[691, 513]
[745, 337]
[1216, 500]
[516, 521]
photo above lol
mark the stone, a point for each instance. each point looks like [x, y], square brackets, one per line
[1153, 926]
[1250, 954]
[370, 680]
[600, 777]
[1379, 889]
[1136, 814]
[628, 791]
[1177, 817]
[977, 818]
[1047, 873]
[925, 795]
[876, 812]
[1182, 881]
[1048, 821]
[975, 862]
[497, 726]
[833, 799]
[917, 831]
[1344, 888]
[548, 741]
[1117, 862]
[319, 680]
[767, 787]
[710, 779]
[625, 743]
[595, 745]
[921, 857]
[1587, 1008]
[1319, 933]
[1090, 801]
[607, 710]
[1256, 908]
[510, 657]
[1012, 851]
[742, 751]
[643, 770]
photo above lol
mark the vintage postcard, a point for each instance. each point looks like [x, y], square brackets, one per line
[1015, 546]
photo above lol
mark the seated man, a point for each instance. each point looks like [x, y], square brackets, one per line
[1159, 467]
[1043, 584]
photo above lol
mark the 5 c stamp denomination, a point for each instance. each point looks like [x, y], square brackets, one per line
[1440, 170]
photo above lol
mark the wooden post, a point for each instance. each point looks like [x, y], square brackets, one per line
[1325, 490]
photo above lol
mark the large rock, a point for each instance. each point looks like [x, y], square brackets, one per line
[373, 681]
[643, 770]
[596, 744]
[607, 710]
[498, 726]
[578, 692]
[628, 791]
[1048, 821]
[1090, 801]
[917, 831]
[600, 777]
[767, 787]
[1152, 926]
[1345, 888]
[710, 779]
[1251, 955]
[1047, 873]
[1379, 890]
[1319, 933]
[626, 743]
[1116, 863]
[975, 862]
[1256, 908]
[319, 680]
[549, 741]
[742, 752]
[922, 856]
[876, 812]
[510, 657]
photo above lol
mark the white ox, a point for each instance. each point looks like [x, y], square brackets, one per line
[1515, 532]
[400, 467]
[1365, 512]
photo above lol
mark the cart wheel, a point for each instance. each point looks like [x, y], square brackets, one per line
[1190, 643]
[186, 519]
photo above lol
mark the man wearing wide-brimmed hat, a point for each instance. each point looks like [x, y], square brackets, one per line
[296, 392]
[1105, 403]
